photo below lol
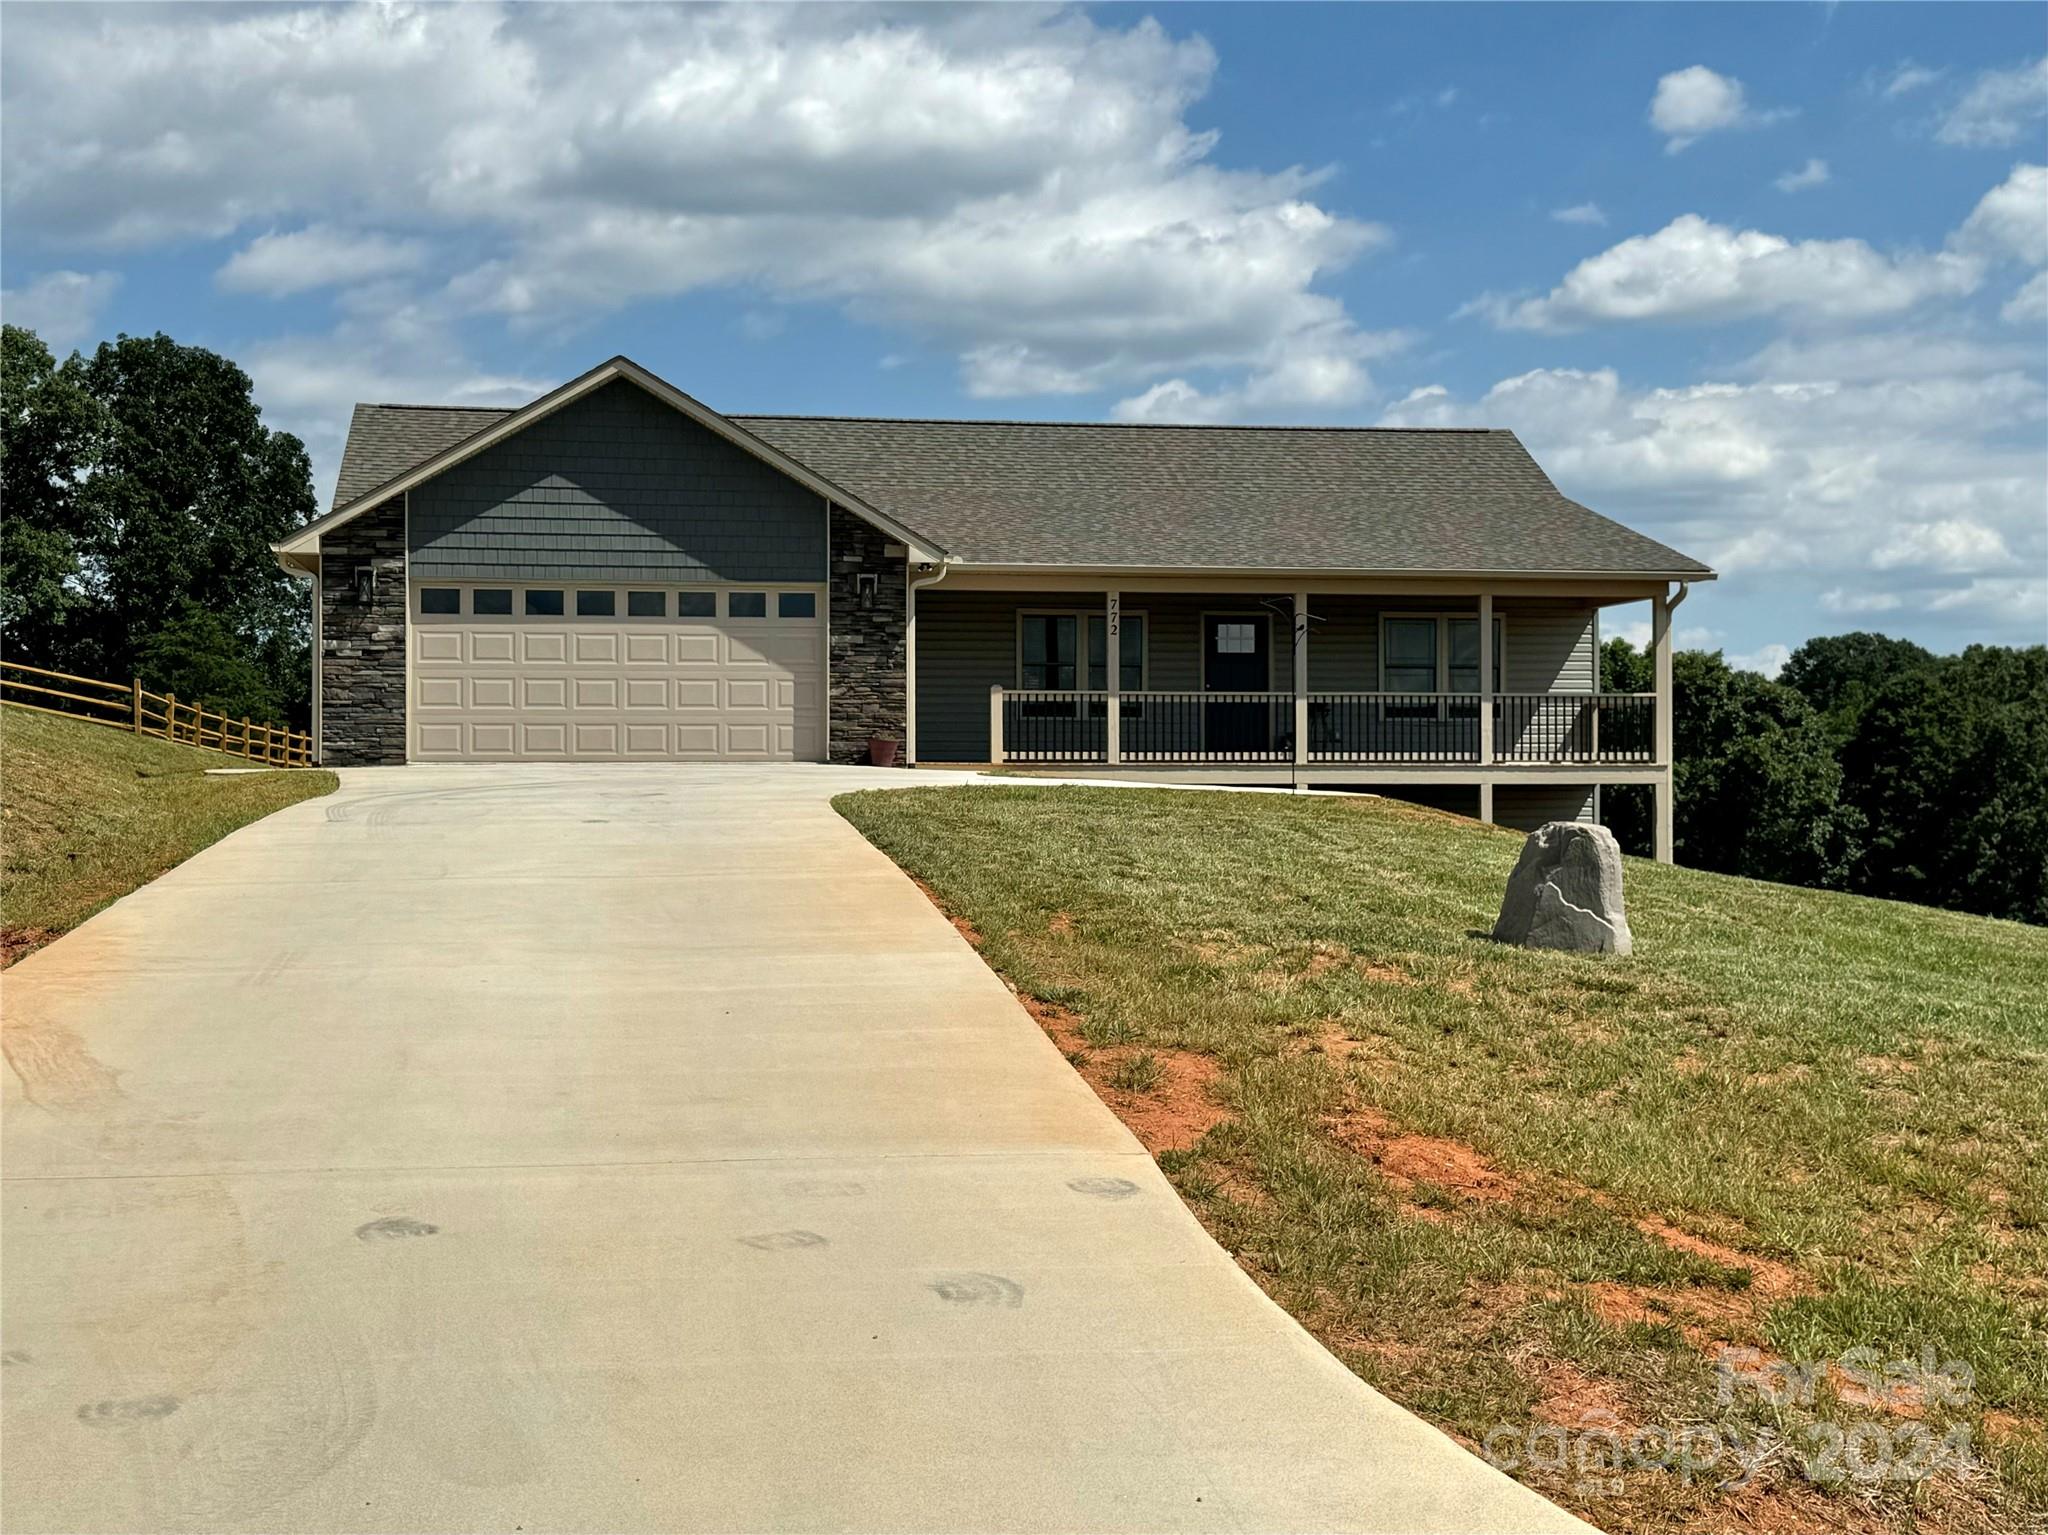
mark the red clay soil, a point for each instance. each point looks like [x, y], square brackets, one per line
[1406, 1160]
[17, 942]
[1170, 1117]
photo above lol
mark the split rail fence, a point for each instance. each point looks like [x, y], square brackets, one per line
[132, 707]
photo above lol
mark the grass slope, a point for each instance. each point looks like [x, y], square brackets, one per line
[1514, 1188]
[88, 813]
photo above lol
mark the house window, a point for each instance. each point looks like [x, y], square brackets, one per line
[1410, 652]
[746, 605]
[696, 604]
[1131, 653]
[1464, 654]
[597, 604]
[543, 603]
[491, 600]
[1047, 654]
[440, 599]
[647, 604]
[796, 605]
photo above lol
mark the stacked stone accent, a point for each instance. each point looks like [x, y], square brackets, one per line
[867, 663]
[362, 645]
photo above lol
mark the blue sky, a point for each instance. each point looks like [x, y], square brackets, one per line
[1764, 281]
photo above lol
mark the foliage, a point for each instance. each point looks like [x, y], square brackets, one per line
[1948, 767]
[1838, 673]
[197, 658]
[142, 484]
[1755, 778]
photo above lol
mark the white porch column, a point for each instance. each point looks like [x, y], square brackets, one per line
[1113, 677]
[1301, 677]
[1486, 691]
[1660, 647]
[995, 723]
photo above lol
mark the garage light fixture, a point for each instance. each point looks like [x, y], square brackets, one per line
[865, 587]
[366, 583]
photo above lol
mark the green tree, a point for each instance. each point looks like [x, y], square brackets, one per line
[1838, 673]
[1755, 777]
[141, 483]
[201, 660]
[1625, 808]
[1948, 766]
[49, 427]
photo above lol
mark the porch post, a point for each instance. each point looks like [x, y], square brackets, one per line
[1486, 688]
[995, 723]
[1301, 677]
[1113, 676]
[1660, 646]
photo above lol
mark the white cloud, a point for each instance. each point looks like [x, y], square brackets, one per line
[1847, 603]
[1696, 271]
[1018, 186]
[1314, 376]
[2029, 306]
[1814, 173]
[1998, 107]
[1580, 213]
[1767, 659]
[1912, 490]
[318, 256]
[1691, 103]
[1909, 77]
[2011, 220]
[61, 307]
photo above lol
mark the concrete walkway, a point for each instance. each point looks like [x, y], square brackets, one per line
[618, 1149]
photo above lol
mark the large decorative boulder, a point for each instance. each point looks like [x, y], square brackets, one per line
[1565, 892]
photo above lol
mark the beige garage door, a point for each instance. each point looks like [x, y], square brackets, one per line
[600, 673]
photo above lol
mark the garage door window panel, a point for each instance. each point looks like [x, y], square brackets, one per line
[543, 603]
[597, 604]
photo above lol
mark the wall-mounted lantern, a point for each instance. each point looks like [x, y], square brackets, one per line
[366, 583]
[865, 588]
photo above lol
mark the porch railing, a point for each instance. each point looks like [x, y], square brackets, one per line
[1169, 728]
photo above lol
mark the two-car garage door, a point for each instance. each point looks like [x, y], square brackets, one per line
[532, 673]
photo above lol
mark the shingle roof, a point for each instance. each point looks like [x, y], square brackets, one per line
[1194, 497]
[386, 440]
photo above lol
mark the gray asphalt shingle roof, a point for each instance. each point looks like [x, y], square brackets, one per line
[1193, 497]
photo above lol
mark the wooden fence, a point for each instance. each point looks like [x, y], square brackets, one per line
[132, 707]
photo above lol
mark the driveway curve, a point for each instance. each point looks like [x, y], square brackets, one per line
[620, 1149]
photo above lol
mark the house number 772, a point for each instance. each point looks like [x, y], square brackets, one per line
[1116, 610]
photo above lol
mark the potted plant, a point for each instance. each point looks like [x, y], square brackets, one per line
[882, 751]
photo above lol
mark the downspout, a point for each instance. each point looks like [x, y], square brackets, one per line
[910, 656]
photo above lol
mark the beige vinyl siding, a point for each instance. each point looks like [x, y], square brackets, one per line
[1524, 807]
[1344, 648]
[1549, 648]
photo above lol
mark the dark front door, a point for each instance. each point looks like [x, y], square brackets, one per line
[1237, 657]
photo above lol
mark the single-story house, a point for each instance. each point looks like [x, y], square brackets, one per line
[617, 572]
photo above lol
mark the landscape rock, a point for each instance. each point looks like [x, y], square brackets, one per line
[1565, 892]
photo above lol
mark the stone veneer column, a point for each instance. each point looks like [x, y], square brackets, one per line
[362, 645]
[867, 659]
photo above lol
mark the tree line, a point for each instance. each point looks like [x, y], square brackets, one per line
[140, 492]
[1870, 765]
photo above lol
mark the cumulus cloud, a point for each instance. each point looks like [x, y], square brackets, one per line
[61, 307]
[1998, 108]
[1018, 186]
[1695, 271]
[1580, 213]
[1907, 78]
[2011, 220]
[318, 256]
[1814, 173]
[1767, 659]
[1918, 491]
[2029, 306]
[1691, 103]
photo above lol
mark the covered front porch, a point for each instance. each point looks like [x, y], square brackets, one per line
[1414, 683]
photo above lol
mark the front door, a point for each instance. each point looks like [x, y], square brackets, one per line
[1237, 658]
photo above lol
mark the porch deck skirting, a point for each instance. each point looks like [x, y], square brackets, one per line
[1249, 728]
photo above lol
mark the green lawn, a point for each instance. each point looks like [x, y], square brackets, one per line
[88, 813]
[1514, 1188]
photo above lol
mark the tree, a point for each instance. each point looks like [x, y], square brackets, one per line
[1948, 766]
[1625, 808]
[143, 484]
[1755, 777]
[199, 659]
[48, 429]
[1838, 673]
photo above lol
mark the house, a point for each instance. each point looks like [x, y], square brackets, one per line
[618, 572]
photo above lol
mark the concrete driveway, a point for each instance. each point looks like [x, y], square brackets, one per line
[618, 1149]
